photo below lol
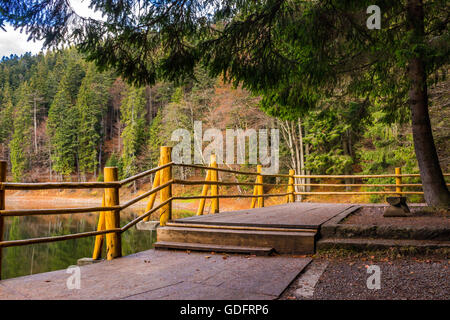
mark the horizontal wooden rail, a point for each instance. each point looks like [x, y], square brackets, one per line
[359, 185]
[145, 173]
[231, 171]
[221, 183]
[34, 212]
[356, 192]
[13, 243]
[267, 195]
[368, 176]
[58, 185]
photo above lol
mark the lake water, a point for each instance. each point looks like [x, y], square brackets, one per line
[37, 258]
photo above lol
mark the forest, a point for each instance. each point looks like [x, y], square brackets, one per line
[64, 120]
[348, 95]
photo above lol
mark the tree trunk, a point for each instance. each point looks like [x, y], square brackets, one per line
[35, 126]
[302, 157]
[307, 172]
[435, 190]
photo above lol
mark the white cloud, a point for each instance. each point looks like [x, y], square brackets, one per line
[14, 42]
[81, 7]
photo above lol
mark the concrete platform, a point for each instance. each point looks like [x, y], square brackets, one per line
[258, 251]
[167, 275]
[287, 229]
[297, 215]
[283, 242]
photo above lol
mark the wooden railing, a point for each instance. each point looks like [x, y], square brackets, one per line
[109, 218]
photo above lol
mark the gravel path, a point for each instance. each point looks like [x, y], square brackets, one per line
[400, 279]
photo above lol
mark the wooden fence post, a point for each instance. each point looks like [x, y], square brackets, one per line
[152, 198]
[112, 218]
[201, 205]
[166, 193]
[214, 187]
[398, 181]
[260, 188]
[99, 239]
[290, 188]
[255, 193]
[3, 168]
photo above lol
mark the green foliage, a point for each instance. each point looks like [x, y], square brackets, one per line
[6, 114]
[155, 140]
[133, 111]
[62, 127]
[21, 137]
[91, 106]
[384, 148]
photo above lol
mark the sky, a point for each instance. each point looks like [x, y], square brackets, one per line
[14, 42]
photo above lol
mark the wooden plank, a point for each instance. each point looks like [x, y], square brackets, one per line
[296, 215]
[259, 251]
[281, 241]
[209, 226]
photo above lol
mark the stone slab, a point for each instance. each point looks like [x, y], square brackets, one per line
[259, 251]
[291, 215]
[155, 274]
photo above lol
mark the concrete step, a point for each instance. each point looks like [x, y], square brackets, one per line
[259, 251]
[286, 242]
[384, 232]
[360, 244]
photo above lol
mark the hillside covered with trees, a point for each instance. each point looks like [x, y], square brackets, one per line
[63, 119]
[324, 69]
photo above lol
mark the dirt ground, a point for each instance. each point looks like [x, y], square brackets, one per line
[400, 279]
[421, 217]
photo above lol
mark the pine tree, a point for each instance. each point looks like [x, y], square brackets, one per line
[63, 117]
[6, 114]
[62, 129]
[91, 105]
[133, 111]
[20, 143]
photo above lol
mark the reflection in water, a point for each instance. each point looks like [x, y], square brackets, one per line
[31, 259]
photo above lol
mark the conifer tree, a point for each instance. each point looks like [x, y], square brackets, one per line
[21, 138]
[6, 114]
[91, 105]
[133, 111]
[62, 129]
[63, 117]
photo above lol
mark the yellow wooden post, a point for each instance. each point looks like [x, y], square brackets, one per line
[3, 168]
[214, 187]
[201, 205]
[255, 193]
[112, 218]
[99, 239]
[260, 188]
[398, 181]
[152, 198]
[290, 196]
[166, 193]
